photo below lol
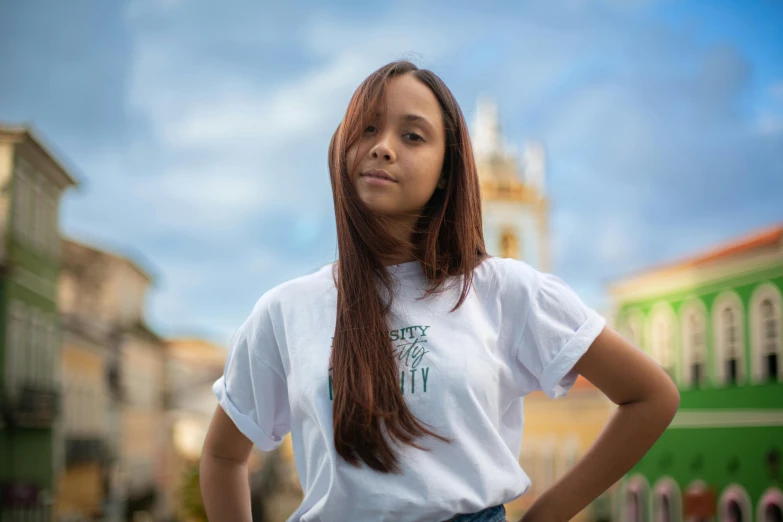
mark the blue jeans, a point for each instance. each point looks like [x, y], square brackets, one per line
[491, 514]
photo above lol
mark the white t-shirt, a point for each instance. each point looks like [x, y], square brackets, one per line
[463, 373]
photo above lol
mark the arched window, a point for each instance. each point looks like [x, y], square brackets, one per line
[636, 498]
[632, 327]
[772, 513]
[731, 345]
[734, 505]
[662, 338]
[635, 506]
[729, 335]
[694, 342]
[766, 311]
[770, 507]
[509, 245]
[667, 501]
[770, 340]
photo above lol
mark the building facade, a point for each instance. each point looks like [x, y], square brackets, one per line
[114, 367]
[713, 323]
[33, 182]
[513, 192]
[192, 365]
[557, 434]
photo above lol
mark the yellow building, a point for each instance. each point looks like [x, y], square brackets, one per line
[557, 433]
[80, 486]
[113, 367]
[192, 365]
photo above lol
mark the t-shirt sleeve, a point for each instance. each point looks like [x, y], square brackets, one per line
[558, 330]
[253, 390]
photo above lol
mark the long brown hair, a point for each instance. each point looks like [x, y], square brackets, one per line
[447, 240]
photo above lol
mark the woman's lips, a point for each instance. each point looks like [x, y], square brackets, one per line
[377, 177]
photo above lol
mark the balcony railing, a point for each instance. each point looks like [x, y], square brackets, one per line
[32, 406]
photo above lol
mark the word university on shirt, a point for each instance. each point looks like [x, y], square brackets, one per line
[409, 349]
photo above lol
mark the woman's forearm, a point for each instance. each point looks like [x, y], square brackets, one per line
[225, 489]
[628, 435]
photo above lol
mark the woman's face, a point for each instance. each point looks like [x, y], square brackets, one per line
[403, 157]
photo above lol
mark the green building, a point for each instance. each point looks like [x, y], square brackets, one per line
[714, 323]
[32, 182]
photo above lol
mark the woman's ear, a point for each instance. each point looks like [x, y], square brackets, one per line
[442, 182]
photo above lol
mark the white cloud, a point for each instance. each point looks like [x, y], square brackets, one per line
[227, 145]
[229, 140]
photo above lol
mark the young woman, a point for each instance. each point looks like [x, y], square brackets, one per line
[400, 369]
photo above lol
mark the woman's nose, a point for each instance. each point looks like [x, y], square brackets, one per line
[378, 153]
[382, 150]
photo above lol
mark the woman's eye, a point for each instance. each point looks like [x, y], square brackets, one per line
[370, 129]
[414, 137]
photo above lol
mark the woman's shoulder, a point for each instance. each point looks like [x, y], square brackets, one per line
[507, 271]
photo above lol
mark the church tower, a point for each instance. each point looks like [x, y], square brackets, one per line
[513, 197]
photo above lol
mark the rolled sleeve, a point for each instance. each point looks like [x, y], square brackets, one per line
[252, 392]
[558, 331]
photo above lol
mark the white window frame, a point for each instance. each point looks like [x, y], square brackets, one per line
[57, 347]
[22, 200]
[35, 371]
[28, 368]
[664, 350]
[694, 307]
[761, 293]
[37, 229]
[53, 223]
[14, 352]
[51, 351]
[634, 328]
[728, 299]
[736, 493]
[772, 495]
[667, 486]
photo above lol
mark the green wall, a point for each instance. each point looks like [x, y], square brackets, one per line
[743, 286]
[718, 456]
[751, 396]
[26, 455]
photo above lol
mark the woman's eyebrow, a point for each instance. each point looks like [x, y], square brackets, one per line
[415, 118]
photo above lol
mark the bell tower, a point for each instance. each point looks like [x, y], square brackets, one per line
[513, 197]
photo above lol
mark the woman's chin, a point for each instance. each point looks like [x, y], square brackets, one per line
[380, 207]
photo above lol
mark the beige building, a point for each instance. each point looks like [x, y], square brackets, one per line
[557, 434]
[192, 365]
[114, 369]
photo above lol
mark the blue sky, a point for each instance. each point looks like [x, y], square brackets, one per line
[199, 131]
